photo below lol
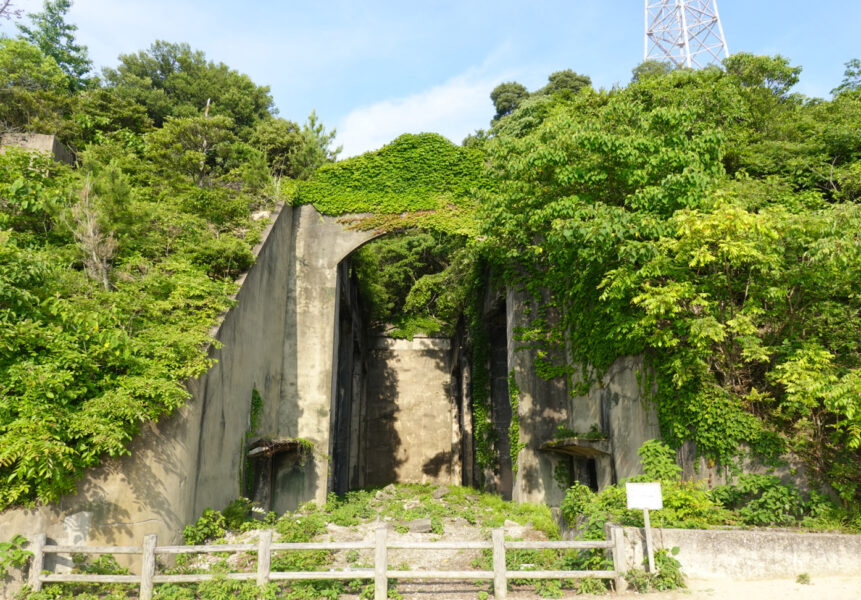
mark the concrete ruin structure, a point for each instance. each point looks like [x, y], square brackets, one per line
[38, 142]
[303, 401]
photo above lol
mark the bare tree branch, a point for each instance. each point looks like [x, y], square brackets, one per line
[8, 11]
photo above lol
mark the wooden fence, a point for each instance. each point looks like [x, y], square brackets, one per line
[380, 574]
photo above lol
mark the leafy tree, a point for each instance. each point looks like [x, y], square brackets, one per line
[174, 80]
[475, 140]
[280, 140]
[772, 73]
[101, 113]
[650, 68]
[565, 82]
[197, 147]
[506, 97]
[292, 151]
[617, 213]
[315, 150]
[851, 78]
[56, 38]
[29, 84]
[32, 188]
[412, 281]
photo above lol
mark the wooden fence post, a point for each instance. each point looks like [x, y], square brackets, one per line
[264, 556]
[614, 534]
[381, 564]
[38, 564]
[147, 566]
[500, 581]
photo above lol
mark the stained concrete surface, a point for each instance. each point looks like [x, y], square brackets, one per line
[751, 554]
[616, 404]
[39, 142]
[410, 413]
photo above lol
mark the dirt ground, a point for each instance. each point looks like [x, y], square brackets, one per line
[820, 588]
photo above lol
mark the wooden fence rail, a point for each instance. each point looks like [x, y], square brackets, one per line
[380, 574]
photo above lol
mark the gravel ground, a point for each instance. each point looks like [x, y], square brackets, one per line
[820, 588]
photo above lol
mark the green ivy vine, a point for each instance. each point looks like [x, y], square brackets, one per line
[483, 432]
[515, 444]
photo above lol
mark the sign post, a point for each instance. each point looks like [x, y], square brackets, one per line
[646, 496]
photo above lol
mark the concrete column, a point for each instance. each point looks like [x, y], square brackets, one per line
[543, 406]
[321, 242]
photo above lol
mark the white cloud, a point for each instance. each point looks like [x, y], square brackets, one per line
[454, 109]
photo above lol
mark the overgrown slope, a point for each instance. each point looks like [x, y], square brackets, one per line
[113, 272]
[710, 221]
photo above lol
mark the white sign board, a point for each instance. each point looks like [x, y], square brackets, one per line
[644, 495]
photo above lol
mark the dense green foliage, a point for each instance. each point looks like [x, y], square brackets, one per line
[413, 174]
[707, 219]
[106, 302]
[484, 434]
[55, 38]
[113, 273]
[13, 554]
[413, 282]
[752, 500]
[172, 80]
[509, 96]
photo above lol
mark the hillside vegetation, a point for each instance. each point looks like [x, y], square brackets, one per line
[708, 220]
[113, 273]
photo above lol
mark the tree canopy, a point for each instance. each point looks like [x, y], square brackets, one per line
[172, 80]
[55, 38]
[509, 96]
[707, 220]
[112, 272]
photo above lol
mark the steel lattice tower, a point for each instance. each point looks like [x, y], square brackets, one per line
[685, 32]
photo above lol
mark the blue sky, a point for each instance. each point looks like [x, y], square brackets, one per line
[377, 68]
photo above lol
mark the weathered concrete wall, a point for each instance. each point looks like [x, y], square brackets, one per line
[40, 142]
[192, 460]
[745, 554]
[543, 406]
[616, 406]
[410, 427]
[305, 409]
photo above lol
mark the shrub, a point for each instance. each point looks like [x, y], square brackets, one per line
[762, 500]
[659, 461]
[210, 525]
[224, 257]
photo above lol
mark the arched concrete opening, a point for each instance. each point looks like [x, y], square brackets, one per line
[275, 380]
[399, 411]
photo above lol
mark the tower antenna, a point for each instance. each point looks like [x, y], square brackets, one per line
[687, 33]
